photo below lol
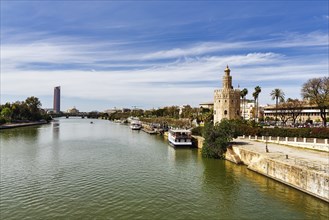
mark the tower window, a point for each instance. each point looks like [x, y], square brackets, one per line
[225, 112]
[225, 100]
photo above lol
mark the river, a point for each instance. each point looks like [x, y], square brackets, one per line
[72, 169]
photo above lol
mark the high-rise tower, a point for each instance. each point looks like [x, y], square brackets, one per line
[226, 100]
[57, 99]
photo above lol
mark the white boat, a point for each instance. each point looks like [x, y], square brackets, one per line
[135, 125]
[179, 137]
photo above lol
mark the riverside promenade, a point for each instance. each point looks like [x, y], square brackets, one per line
[301, 168]
[280, 151]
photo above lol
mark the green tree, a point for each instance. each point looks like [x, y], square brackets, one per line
[207, 115]
[34, 104]
[243, 94]
[294, 108]
[316, 90]
[255, 95]
[277, 94]
[6, 113]
[187, 112]
[217, 138]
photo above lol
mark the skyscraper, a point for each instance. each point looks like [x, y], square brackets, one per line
[57, 99]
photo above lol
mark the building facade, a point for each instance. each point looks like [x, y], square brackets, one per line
[226, 100]
[73, 110]
[305, 113]
[207, 105]
[57, 99]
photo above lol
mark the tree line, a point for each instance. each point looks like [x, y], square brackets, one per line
[23, 111]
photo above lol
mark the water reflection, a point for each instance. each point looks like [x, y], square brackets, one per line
[220, 186]
[28, 133]
[280, 192]
[56, 127]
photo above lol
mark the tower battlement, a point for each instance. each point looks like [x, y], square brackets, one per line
[226, 99]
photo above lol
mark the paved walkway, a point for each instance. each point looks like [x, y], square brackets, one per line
[300, 156]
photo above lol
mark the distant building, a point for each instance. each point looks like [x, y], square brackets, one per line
[306, 112]
[226, 100]
[73, 110]
[207, 105]
[111, 111]
[57, 99]
[247, 109]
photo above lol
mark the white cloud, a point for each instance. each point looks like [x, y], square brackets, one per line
[164, 85]
[190, 79]
[69, 51]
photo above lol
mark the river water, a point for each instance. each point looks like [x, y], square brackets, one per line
[72, 169]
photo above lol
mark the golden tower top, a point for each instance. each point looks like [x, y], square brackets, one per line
[227, 70]
[227, 79]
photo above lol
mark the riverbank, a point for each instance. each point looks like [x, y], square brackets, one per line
[303, 169]
[17, 125]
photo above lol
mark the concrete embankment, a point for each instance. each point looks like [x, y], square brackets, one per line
[198, 141]
[304, 170]
[17, 125]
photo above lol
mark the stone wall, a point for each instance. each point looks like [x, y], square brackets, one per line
[198, 141]
[308, 180]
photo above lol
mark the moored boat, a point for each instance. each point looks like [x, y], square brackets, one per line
[179, 137]
[135, 125]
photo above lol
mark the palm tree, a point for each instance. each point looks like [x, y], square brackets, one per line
[277, 94]
[243, 94]
[255, 95]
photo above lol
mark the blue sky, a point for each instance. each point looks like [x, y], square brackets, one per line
[107, 54]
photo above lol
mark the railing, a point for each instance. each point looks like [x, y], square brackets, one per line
[311, 143]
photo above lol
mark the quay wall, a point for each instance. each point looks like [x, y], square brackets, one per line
[198, 141]
[17, 125]
[277, 167]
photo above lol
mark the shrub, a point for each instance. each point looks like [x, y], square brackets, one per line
[2, 120]
[217, 138]
[198, 131]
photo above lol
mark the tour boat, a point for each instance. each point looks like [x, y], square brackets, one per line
[135, 125]
[179, 137]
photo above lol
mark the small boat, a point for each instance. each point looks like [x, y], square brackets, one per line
[179, 137]
[135, 125]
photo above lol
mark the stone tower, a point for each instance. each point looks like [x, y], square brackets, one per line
[226, 100]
